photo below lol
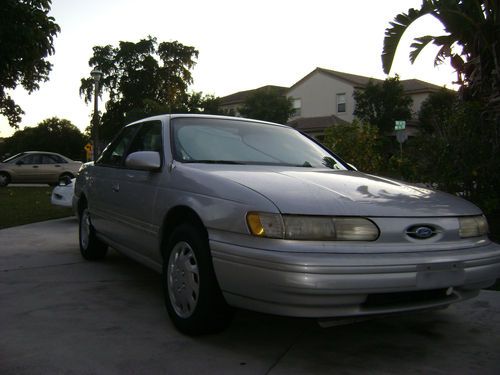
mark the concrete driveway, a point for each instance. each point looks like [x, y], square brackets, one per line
[62, 315]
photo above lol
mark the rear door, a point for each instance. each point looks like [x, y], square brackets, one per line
[50, 168]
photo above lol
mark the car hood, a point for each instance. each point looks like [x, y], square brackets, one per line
[351, 193]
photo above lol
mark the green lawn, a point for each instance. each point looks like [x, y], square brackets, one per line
[25, 205]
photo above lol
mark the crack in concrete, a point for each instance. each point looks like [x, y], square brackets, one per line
[286, 351]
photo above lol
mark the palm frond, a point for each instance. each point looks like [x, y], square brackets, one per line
[397, 28]
[418, 45]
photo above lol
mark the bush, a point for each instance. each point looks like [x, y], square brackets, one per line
[356, 143]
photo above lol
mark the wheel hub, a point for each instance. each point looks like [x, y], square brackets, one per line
[183, 279]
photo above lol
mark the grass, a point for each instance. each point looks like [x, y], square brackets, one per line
[26, 205]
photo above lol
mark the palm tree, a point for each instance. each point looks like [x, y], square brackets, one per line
[472, 42]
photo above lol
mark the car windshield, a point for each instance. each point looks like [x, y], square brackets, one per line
[13, 157]
[225, 141]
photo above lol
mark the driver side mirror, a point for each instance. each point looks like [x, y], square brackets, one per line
[144, 161]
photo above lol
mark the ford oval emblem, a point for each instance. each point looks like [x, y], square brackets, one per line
[421, 232]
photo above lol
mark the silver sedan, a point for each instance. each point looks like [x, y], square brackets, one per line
[242, 213]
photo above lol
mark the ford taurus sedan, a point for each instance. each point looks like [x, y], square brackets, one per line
[38, 167]
[241, 213]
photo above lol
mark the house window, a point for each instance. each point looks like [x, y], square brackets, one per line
[297, 106]
[341, 103]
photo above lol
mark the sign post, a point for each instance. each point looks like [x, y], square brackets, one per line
[401, 135]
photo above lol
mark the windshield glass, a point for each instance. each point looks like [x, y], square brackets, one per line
[13, 157]
[225, 141]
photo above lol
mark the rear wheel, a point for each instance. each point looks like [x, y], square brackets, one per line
[91, 247]
[192, 295]
[4, 179]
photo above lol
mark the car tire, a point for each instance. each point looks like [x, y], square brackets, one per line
[4, 179]
[193, 298]
[91, 247]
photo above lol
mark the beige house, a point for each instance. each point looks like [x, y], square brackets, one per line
[324, 98]
[327, 93]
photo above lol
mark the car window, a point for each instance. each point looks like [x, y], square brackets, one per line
[47, 159]
[14, 158]
[113, 154]
[246, 142]
[56, 159]
[148, 138]
[32, 159]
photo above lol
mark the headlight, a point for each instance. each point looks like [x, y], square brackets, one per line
[312, 228]
[472, 226]
[265, 225]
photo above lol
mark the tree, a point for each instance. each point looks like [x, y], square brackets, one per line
[460, 148]
[380, 104]
[458, 155]
[356, 143]
[436, 111]
[471, 43]
[144, 79]
[268, 104]
[53, 134]
[26, 40]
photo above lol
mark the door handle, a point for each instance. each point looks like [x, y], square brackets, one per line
[35, 166]
[116, 188]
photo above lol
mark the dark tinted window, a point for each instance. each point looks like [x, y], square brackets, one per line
[114, 153]
[56, 159]
[32, 159]
[148, 138]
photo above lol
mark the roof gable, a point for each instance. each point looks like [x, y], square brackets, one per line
[240, 96]
[410, 86]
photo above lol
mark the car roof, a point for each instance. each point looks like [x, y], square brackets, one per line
[187, 115]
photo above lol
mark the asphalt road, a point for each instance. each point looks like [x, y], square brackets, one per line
[62, 315]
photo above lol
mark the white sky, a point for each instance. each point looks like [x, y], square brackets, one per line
[242, 45]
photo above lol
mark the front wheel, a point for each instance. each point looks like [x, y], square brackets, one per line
[91, 247]
[4, 179]
[192, 295]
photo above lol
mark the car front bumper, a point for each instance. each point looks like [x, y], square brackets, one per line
[322, 285]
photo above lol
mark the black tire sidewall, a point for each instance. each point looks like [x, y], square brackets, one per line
[7, 179]
[95, 248]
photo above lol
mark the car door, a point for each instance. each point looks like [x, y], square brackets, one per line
[134, 194]
[102, 182]
[50, 168]
[122, 199]
[27, 169]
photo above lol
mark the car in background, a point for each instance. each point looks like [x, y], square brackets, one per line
[62, 195]
[250, 214]
[37, 167]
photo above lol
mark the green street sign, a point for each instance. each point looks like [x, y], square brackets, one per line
[400, 125]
